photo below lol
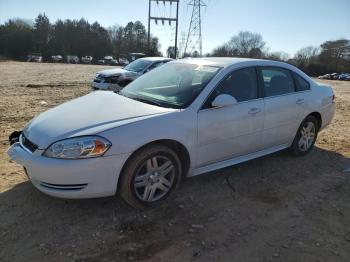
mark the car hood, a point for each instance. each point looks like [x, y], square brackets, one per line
[115, 71]
[88, 115]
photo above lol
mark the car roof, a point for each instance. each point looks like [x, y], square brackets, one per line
[227, 61]
[155, 58]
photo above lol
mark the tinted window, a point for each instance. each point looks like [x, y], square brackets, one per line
[301, 83]
[241, 84]
[277, 81]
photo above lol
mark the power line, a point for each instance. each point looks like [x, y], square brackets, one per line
[164, 18]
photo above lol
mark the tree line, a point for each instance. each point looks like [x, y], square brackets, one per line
[19, 38]
[329, 57]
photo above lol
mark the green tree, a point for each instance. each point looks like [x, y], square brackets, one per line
[16, 39]
[42, 34]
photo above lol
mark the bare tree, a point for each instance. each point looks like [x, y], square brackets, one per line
[278, 56]
[246, 44]
[306, 56]
[116, 34]
[336, 54]
[221, 51]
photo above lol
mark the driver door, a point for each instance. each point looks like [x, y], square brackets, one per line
[234, 130]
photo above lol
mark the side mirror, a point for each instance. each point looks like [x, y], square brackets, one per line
[223, 100]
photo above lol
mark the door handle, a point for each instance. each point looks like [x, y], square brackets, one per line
[254, 111]
[300, 101]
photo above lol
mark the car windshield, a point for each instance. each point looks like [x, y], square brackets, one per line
[173, 85]
[138, 65]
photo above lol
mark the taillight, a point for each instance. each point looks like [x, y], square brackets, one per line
[333, 98]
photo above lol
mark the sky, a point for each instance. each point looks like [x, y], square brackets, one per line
[285, 25]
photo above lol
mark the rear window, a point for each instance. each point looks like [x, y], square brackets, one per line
[301, 83]
[276, 81]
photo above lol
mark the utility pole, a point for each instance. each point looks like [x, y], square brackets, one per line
[194, 36]
[169, 19]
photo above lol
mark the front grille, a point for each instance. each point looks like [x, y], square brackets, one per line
[63, 187]
[28, 144]
[97, 80]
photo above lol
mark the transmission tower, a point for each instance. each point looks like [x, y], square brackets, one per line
[163, 18]
[194, 36]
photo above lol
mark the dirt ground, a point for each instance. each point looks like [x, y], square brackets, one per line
[276, 208]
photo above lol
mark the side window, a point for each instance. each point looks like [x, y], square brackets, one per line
[276, 81]
[241, 84]
[301, 83]
[155, 65]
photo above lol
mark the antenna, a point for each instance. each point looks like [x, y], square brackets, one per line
[194, 37]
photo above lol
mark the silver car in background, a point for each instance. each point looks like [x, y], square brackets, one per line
[116, 79]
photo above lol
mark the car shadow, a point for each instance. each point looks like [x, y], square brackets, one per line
[91, 228]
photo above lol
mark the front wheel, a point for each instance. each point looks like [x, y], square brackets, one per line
[306, 137]
[150, 176]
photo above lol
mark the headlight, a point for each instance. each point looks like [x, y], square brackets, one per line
[78, 147]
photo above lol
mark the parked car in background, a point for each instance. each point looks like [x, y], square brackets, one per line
[186, 118]
[123, 61]
[343, 76]
[101, 62]
[72, 59]
[86, 59]
[326, 76]
[57, 58]
[134, 56]
[334, 76]
[34, 58]
[113, 62]
[107, 59]
[116, 79]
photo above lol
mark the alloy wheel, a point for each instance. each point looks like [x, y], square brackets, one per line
[308, 133]
[154, 178]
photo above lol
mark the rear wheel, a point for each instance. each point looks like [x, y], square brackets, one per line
[306, 136]
[150, 176]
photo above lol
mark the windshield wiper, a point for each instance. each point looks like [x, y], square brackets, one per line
[146, 101]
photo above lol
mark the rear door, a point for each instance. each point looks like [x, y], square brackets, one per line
[284, 107]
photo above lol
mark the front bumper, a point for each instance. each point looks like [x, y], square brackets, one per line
[81, 178]
[99, 86]
[105, 86]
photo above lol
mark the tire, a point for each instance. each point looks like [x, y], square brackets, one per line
[302, 143]
[160, 176]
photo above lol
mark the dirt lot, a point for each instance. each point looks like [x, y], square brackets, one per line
[276, 208]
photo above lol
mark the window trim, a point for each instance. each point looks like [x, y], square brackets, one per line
[261, 79]
[258, 85]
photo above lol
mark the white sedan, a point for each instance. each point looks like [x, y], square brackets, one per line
[185, 118]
